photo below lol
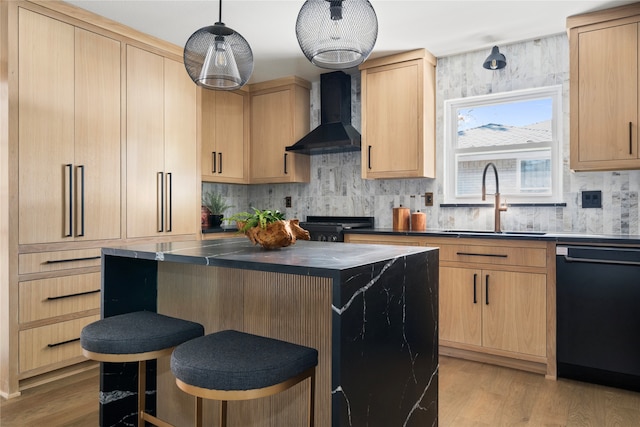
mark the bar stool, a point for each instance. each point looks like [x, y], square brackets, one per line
[233, 365]
[137, 337]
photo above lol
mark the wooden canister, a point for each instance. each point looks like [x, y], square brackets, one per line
[401, 218]
[418, 221]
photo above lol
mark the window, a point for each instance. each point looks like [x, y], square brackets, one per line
[519, 132]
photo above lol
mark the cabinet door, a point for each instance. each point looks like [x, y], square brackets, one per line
[460, 305]
[608, 98]
[271, 132]
[145, 143]
[181, 208]
[393, 126]
[97, 136]
[514, 312]
[46, 127]
[224, 137]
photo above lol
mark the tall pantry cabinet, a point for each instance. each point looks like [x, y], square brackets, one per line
[81, 117]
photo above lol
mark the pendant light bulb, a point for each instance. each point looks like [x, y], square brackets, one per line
[494, 64]
[220, 53]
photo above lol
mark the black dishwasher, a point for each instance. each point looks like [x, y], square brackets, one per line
[598, 315]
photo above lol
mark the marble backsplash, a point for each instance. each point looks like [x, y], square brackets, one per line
[336, 187]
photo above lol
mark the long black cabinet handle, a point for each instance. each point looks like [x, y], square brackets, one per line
[475, 279]
[170, 201]
[63, 342]
[486, 290]
[630, 137]
[285, 164]
[56, 261]
[369, 157]
[95, 291]
[70, 201]
[600, 261]
[160, 209]
[489, 255]
[213, 162]
[220, 162]
[81, 169]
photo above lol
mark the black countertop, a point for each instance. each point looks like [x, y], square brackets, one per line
[304, 257]
[577, 238]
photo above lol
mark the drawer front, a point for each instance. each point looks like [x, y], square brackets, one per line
[52, 343]
[494, 255]
[59, 260]
[58, 296]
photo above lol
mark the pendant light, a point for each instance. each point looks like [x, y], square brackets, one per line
[337, 34]
[217, 57]
[495, 60]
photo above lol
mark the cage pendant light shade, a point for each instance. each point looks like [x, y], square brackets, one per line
[217, 57]
[337, 34]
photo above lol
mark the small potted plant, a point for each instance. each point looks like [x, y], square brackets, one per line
[268, 228]
[216, 205]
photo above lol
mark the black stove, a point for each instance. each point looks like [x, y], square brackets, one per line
[331, 228]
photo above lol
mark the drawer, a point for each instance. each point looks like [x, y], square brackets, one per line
[59, 260]
[494, 255]
[58, 296]
[51, 344]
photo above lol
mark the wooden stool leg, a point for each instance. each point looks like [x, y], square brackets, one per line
[312, 399]
[142, 391]
[223, 413]
[198, 412]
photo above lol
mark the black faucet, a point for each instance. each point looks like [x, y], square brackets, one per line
[497, 208]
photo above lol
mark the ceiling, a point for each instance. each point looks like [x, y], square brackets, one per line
[442, 27]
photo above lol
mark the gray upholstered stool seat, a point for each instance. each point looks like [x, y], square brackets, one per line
[232, 365]
[137, 337]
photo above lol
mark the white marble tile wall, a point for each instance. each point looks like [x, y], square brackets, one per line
[337, 189]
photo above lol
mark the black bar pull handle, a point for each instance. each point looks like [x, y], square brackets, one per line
[63, 342]
[486, 290]
[285, 164]
[220, 162]
[213, 162]
[630, 137]
[169, 201]
[475, 283]
[56, 261]
[160, 209]
[95, 291]
[489, 255]
[81, 169]
[369, 156]
[69, 166]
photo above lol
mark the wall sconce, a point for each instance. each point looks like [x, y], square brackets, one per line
[495, 61]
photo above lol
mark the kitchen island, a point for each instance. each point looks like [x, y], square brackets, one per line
[370, 310]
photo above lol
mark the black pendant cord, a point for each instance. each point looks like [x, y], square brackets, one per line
[220, 12]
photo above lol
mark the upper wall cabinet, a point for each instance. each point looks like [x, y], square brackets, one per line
[604, 89]
[162, 173]
[69, 132]
[279, 117]
[398, 116]
[225, 136]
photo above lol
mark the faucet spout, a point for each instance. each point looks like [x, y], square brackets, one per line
[498, 207]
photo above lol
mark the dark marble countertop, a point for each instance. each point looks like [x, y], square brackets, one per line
[304, 257]
[514, 235]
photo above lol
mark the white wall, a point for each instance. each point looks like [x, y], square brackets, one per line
[337, 189]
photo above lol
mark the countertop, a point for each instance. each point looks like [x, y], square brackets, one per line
[514, 235]
[304, 257]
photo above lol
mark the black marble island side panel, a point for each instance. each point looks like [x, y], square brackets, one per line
[387, 316]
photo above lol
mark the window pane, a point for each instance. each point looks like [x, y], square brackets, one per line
[469, 177]
[535, 176]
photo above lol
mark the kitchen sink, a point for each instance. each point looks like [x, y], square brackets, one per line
[522, 233]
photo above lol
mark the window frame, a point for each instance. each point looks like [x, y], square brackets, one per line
[451, 154]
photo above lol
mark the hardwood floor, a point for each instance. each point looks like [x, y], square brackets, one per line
[471, 394]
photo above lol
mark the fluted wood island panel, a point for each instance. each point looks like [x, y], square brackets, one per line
[370, 310]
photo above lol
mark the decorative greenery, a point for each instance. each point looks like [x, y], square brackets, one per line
[256, 219]
[215, 203]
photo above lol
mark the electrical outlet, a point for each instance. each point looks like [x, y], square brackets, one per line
[428, 199]
[287, 202]
[592, 199]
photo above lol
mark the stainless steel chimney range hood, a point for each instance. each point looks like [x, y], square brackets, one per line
[335, 134]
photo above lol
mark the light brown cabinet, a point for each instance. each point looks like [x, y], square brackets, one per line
[69, 132]
[604, 77]
[398, 116]
[496, 299]
[162, 168]
[279, 117]
[225, 136]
